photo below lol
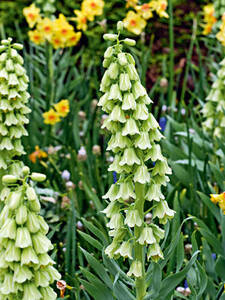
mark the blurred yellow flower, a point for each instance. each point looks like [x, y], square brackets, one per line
[92, 8]
[73, 39]
[45, 26]
[57, 42]
[221, 34]
[209, 19]
[134, 22]
[220, 199]
[160, 6]
[145, 11]
[81, 20]
[131, 3]
[32, 14]
[38, 153]
[62, 28]
[62, 108]
[36, 37]
[51, 117]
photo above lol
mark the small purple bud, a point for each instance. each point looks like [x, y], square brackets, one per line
[66, 175]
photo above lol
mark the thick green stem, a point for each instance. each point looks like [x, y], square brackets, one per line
[171, 63]
[139, 255]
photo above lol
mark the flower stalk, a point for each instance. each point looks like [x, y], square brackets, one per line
[140, 166]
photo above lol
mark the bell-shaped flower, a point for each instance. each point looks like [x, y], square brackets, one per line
[14, 199]
[142, 175]
[22, 273]
[125, 250]
[23, 238]
[33, 224]
[53, 273]
[147, 100]
[154, 193]
[122, 59]
[41, 278]
[161, 179]
[125, 83]
[11, 119]
[116, 221]
[146, 236]
[29, 256]
[118, 141]
[44, 228]
[117, 115]
[6, 144]
[142, 141]
[105, 83]
[3, 130]
[128, 102]
[21, 215]
[13, 94]
[129, 158]
[31, 292]
[9, 65]
[163, 212]
[113, 70]
[7, 286]
[150, 123]
[130, 128]
[112, 192]
[13, 79]
[111, 209]
[12, 253]
[111, 249]
[22, 85]
[41, 243]
[135, 269]
[48, 293]
[138, 90]
[133, 218]
[155, 153]
[126, 190]
[4, 215]
[161, 168]
[35, 205]
[103, 100]
[115, 93]
[158, 232]
[8, 230]
[5, 106]
[109, 52]
[141, 112]
[19, 70]
[115, 165]
[4, 74]
[132, 72]
[155, 252]
[45, 260]
[4, 89]
[3, 263]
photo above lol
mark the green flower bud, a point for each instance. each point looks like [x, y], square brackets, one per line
[25, 170]
[120, 26]
[8, 230]
[110, 37]
[125, 83]
[23, 238]
[9, 179]
[32, 222]
[17, 46]
[21, 215]
[113, 70]
[122, 59]
[31, 194]
[14, 199]
[129, 42]
[38, 177]
[109, 52]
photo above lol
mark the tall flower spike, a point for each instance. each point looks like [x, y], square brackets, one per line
[26, 268]
[213, 110]
[141, 167]
[13, 99]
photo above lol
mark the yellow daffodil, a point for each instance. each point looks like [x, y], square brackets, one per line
[160, 6]
[32, 14]
[45, 26]
[131, 3]
[81, 20]
[57, 42]
[220, 199]
[62, 108]
[62, 28]
[38, 153]
[92, 8]
[73, 39]
[36, 37]
[209, 19]
[51, 117]
[145, 11]
[134, 22]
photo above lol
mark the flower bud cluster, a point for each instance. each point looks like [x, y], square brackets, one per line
[213, 110]
[26, 269]
[138, 161]
[13, 99]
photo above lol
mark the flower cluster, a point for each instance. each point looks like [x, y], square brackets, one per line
[58, 31]
[61, 109]
[26, 268]
[219, 199]
[209, 19]
[213, 110]
[135, 22]
[219, 6]
[38, 153]
[13, 99]
[89, 10]
[142, 169]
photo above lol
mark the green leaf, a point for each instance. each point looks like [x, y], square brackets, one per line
[91, 240]
[97, 291]
[93, 229]
[220, 267]
[213, 208]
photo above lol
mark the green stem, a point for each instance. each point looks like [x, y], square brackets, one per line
[171, 63]
[50, 87]
[139, 255]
